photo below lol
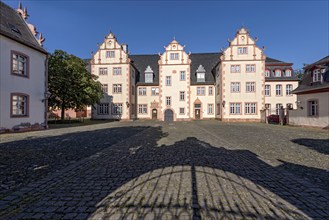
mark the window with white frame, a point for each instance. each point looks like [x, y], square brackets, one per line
[242, 50]
[103, 109]
[181, 111]
[154, 91]
[250, 68]
[317, 76]
[313, 108]
[182, 76]
[288, 73]
[268, 106]
[200, 91]
[267, 73]
[142, 91]
[19, 105]
[110, 54]
[181, 96]
[168, 100]
[250, 108]
[235, 68]
[235, 87]
[19, 65]
[210, 90]
[278, 90]
[277, 108]
[116, 71]
[277, 73]
[149, 75]
[289, 89]
[142, 109]
[201, 77]
[168, 80]
[117, 88]
[104, 88]
[210, 108]
[117, 109]
[267, 90]
[250, 86]
[102, 71]
[235, 108]
[174, 56]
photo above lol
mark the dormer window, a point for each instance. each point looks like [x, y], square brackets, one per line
[277, 73]
[148, 75]
[288, 73]
[201, 74]
[317, 76]
[267, 73]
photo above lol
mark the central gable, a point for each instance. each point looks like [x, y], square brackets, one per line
[174, 55]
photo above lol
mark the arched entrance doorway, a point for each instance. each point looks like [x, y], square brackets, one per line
[154, 113]
[169, 115]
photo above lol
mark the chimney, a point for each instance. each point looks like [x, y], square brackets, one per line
[125, 47]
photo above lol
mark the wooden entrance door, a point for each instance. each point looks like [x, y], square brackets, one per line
[169, 115]
[154, 114]
[197, 114]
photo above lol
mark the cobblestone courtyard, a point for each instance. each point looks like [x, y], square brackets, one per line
[154, 170]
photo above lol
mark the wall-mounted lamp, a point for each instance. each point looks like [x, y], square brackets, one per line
[47, 95]
[127, 104]
[298, 103]
[223, 103]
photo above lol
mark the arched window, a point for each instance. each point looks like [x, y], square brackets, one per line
[288, 72]
[267, 73]
[277, 73]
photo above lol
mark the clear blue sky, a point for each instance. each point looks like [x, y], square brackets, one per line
[293, 31]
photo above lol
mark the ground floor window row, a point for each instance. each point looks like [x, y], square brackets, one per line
[104, 108]
[250, 108]
[277, 108]
[142, 109]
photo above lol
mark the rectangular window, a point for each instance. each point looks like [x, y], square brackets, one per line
[210, 109]
[313, 108]
[181, 96]
[142, 91]
[110, 54]
[250, 108]
[235, 68]
[182, 76]
[116, 71]
[267, 90]
[155, 91]
[103, 109]
[102, 71]
[250, 86]
[105, 88]
[277, 108]
[19, 105]
[235, 108]
[268, 106]
[117, 109]
[210, 90]
[117, 88]
[142, 109]
[168, 100]
[235, 87]
[289, 89]
[278, 90]
[168, 80]
[250, 68]
[201, 77]
[317, 76]
[181, 111]
[19, 65]
[200, 91]
[242, 50]
[149, 77]
[174, 56]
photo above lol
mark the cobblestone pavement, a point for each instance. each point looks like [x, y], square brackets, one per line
[188, 170]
